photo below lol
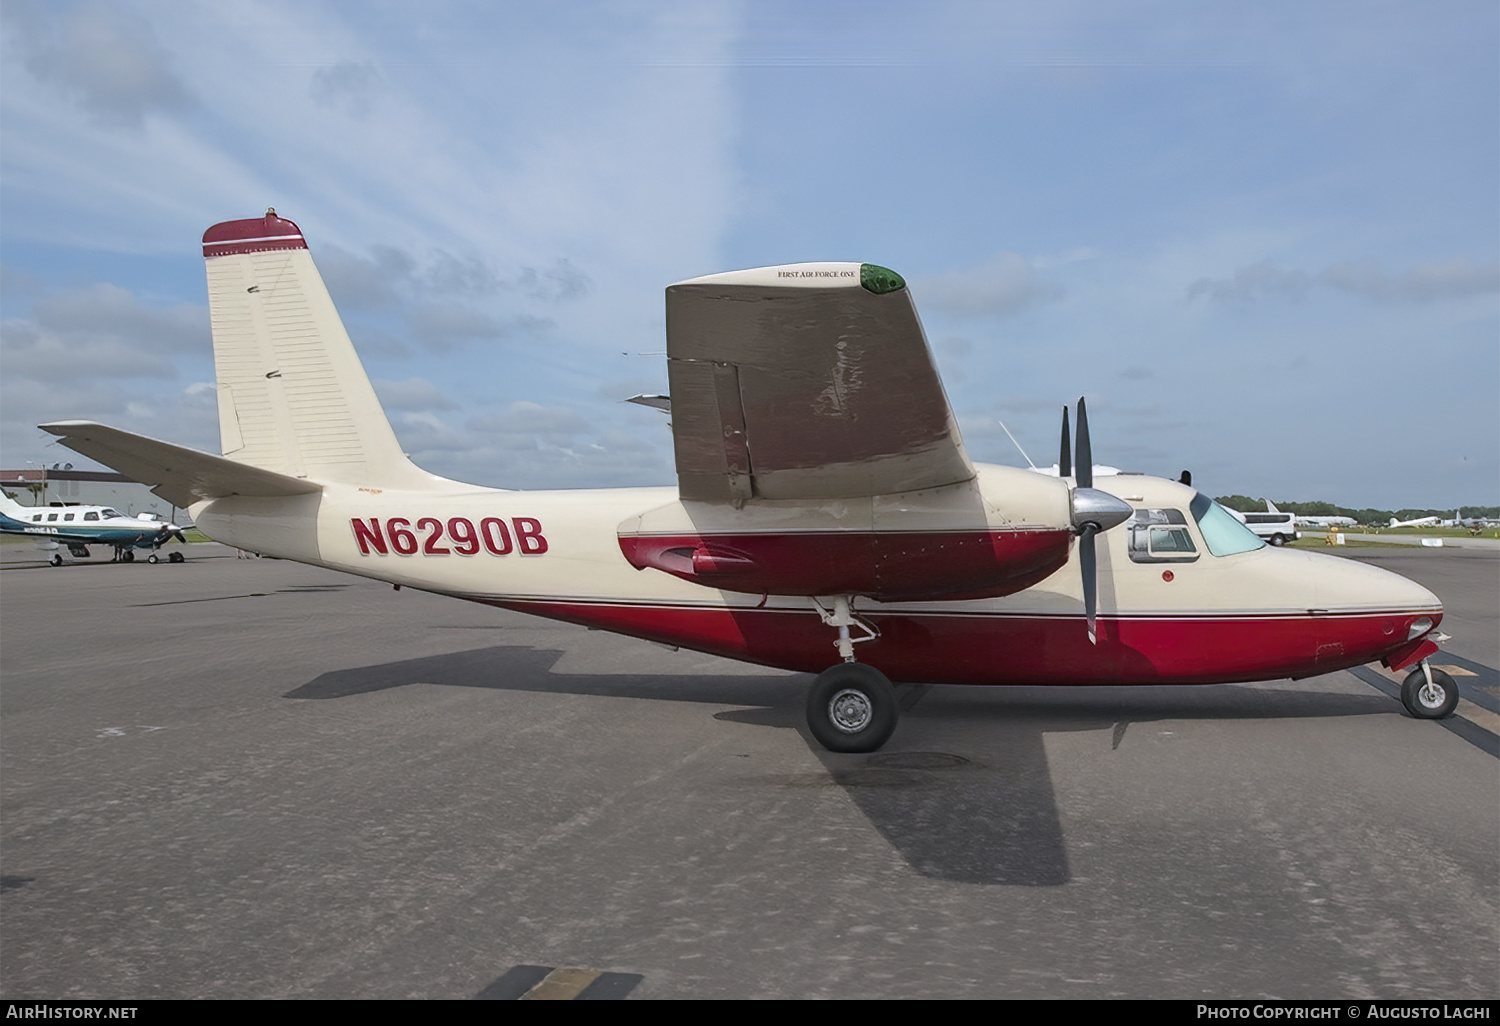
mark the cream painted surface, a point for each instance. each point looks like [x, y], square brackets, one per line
[293, 396]
[583, 561]
[823, 275]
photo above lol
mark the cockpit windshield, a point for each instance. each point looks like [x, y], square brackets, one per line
[1222, 533]
[110, 514]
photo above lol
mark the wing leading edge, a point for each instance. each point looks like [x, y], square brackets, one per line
[805, 381]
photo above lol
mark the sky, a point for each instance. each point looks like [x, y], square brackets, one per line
[1262, 239]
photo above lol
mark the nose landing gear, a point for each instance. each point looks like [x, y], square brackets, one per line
[1429, 694]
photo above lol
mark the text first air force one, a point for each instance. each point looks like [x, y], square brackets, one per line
[826, 516]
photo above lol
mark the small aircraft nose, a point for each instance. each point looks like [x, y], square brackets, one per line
[1348, 585]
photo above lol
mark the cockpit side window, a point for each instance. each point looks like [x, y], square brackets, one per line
[1160, 536]
[110, 514]
[91, 515]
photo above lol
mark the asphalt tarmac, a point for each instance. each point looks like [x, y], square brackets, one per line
[254, 779]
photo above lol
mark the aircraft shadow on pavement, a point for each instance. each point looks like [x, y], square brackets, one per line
[985, 816]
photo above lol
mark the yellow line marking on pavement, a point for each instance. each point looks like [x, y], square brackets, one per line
[561, 984]
[1455, 671]
[1479, 716]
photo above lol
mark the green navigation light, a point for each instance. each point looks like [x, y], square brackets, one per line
[880, 280]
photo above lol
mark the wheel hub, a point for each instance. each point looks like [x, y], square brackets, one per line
[850, 710]
[1430, 695]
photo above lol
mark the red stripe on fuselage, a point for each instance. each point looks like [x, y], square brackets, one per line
[990, 648]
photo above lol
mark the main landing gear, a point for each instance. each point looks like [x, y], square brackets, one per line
[1429, 694]
[851, 707]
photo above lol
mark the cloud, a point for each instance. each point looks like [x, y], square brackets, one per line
[558, 283]
[528, 418]
[364, 283]
[469, 276]
[1365, 278]
[1005, 285]
[416, 394]
[1425, 282]
[100, 331]
[443, 327]
[350, 86]
[1249, 283]
[107, 60]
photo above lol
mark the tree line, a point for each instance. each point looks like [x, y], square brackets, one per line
[1245, 504]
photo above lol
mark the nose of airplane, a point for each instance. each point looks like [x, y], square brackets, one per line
[1347, 587]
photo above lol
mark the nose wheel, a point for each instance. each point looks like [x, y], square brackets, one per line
[1429, 694]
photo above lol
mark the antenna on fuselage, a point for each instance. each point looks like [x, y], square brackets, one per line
[1014, 442]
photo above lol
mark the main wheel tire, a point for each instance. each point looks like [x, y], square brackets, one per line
[851, 707]
[1429, 703]
[56, 559]
[128, 556]
[176, 557]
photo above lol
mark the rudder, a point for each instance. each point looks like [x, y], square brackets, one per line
[293, 396]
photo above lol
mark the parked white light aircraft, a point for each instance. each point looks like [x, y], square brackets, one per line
[1314, 521]
[825, 508]
[78, 527]
[1419, 522]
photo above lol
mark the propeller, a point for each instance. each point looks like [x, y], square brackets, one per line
[1094, 511]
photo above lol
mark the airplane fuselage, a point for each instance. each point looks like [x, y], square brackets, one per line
[1182, 615]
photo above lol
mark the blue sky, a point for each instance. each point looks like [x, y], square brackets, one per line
[1263, 239]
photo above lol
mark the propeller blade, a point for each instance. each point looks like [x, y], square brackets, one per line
[1086, 560]
[1085, 451]
[1065, 454]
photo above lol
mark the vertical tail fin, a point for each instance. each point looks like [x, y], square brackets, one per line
[293, 396]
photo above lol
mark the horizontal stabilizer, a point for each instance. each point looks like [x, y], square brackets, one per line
[181, 476]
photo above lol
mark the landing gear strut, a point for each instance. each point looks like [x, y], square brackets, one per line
[1429, 694]
[851, 707]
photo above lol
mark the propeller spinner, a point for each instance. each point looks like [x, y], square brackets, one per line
[1094, 511]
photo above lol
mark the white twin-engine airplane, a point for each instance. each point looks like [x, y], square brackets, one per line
[78, 527]
[825, 512]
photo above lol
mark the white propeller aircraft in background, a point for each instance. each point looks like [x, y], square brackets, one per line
[825, 510]
[78, 527]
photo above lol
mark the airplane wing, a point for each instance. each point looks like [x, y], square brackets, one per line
[181, 476]
[806, 381]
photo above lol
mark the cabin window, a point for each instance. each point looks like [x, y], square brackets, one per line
[1160, 536]
[51, 517]
[67, 516]
[91, 516]
[1222, 532]
[36, 518]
